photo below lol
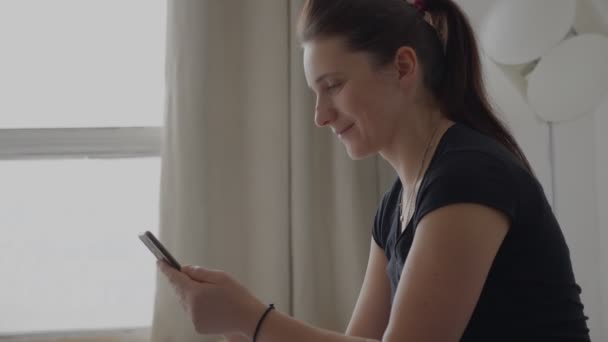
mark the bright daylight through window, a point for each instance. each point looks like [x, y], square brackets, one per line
[82, 89]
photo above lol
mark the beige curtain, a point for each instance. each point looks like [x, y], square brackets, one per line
[249, 185]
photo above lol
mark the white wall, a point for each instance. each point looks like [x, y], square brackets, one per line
[577, 209]
[601, 174]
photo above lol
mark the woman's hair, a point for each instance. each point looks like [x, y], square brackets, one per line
[447, 51]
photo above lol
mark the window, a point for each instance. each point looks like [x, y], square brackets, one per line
[82, 91]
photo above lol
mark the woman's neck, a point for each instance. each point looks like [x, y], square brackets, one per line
[407, 152]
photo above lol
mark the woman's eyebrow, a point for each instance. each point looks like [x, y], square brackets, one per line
[320, 78]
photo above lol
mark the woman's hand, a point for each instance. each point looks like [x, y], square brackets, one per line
[215, 301]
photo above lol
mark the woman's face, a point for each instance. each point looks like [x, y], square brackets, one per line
[363, 105]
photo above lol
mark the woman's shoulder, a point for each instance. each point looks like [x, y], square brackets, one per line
[469, 167]
[465, 149]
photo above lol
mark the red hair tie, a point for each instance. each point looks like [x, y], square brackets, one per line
[420, 5]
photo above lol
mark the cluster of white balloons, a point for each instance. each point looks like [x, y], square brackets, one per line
[559, 49]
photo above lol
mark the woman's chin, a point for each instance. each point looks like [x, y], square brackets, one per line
[357, 153]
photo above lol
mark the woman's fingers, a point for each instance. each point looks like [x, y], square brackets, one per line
[180, 281]
[201, 274]
[215, 301]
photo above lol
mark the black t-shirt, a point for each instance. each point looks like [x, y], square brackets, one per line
[530, 293]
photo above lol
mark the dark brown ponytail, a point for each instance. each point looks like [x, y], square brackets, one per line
[451, 68]
[462, 93]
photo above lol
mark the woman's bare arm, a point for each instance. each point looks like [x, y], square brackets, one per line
[372, 310]
[445, 271]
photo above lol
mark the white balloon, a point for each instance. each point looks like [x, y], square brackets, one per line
[571, 80]
[520, 31]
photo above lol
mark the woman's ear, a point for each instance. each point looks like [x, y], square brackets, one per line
[406, 63]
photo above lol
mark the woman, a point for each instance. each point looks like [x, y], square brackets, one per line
[464, 245]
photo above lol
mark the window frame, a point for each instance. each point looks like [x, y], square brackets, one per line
[75, 143]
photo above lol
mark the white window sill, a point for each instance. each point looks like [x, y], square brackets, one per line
[124, 335]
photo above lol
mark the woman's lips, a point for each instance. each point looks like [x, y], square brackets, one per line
[345, 130]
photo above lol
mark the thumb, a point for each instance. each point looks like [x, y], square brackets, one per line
[201, 274]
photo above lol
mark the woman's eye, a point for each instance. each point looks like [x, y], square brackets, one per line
[334, 86]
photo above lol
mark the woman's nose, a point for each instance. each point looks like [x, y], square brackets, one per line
[324, 115]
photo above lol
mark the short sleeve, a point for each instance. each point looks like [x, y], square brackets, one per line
[377, 231]
[469, 177]
[382, 219]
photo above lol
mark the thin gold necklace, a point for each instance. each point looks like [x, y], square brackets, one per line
[413, 191]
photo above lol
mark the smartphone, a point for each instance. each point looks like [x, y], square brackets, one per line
[158, 249]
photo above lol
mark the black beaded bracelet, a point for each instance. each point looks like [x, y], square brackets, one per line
[257, 328]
